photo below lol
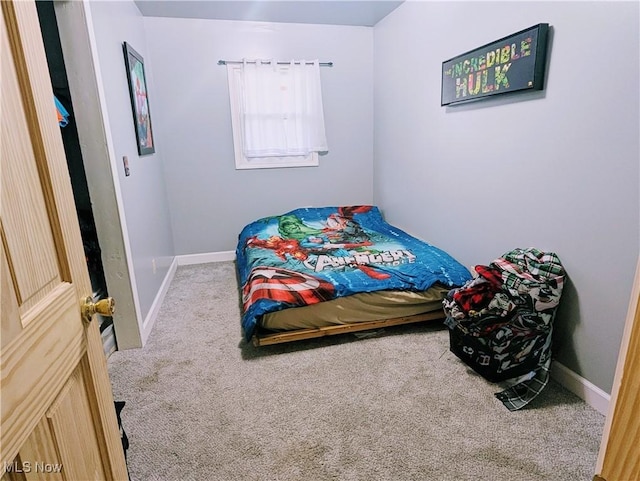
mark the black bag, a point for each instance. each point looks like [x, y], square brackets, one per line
[499, 349]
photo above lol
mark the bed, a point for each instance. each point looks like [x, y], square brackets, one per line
[315, 272]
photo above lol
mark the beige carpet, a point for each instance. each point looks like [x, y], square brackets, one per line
[203, 405]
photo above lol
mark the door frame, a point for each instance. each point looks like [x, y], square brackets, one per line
[75, 26]
[620, 447]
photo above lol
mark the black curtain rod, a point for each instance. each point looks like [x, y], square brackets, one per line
[225, 62]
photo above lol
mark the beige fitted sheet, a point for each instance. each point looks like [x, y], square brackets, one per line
[366, 306]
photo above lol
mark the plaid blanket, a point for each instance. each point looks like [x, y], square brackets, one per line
[501, 321]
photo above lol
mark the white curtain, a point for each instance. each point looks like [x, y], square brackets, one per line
[282, 111]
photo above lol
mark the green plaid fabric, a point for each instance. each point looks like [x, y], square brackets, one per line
[535, 273]
[520, 394]
[513, 332]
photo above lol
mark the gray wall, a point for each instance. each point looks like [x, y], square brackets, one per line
[210, 201]
[558, 171]
[143, 193]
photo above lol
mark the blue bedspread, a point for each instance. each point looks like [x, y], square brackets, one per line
[312, 255]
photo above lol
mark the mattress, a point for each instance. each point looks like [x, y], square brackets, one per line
[361, 307]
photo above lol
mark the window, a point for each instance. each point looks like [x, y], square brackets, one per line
[276, 114]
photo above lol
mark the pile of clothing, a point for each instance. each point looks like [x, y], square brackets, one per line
[501, 321]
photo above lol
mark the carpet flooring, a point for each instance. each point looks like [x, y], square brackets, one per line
[201, 404]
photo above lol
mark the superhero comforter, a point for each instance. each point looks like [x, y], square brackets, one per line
[312, 255]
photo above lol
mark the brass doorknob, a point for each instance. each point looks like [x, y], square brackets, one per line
[105, 307]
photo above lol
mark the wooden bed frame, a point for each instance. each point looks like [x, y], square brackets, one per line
[267, 338]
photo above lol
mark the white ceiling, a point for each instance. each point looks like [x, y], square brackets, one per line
[333, 12]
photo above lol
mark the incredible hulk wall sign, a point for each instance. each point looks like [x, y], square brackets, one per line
[513, 63]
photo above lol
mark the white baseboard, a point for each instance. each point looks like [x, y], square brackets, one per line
[585, 390]
[189, 259]
[108, 340]
[150, 320]
[182, 260]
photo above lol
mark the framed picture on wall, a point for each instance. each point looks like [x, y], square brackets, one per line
[139, 100]
[514, 63]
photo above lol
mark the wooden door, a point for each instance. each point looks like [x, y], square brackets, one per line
[57, 413]
[619, 458]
